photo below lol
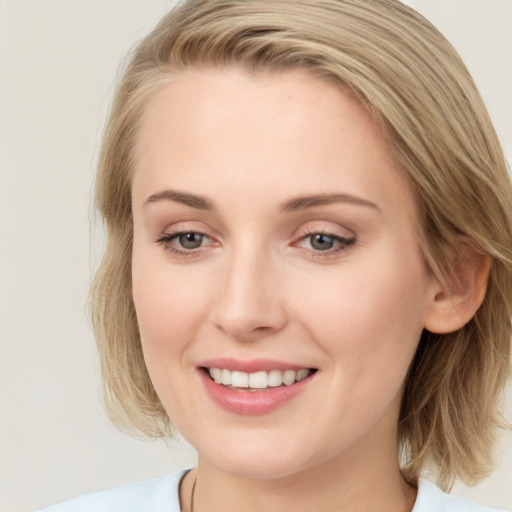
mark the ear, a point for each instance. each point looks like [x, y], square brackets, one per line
[455, 301]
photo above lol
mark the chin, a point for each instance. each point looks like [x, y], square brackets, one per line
[274, 461]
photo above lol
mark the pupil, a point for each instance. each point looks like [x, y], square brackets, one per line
[322, 242]
[190, 240]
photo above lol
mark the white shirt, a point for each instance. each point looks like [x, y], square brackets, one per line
[161, 495]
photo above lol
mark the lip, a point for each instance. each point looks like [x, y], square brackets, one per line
[252, 366]
[253, 402]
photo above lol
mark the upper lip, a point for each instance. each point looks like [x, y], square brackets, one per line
[250, 366]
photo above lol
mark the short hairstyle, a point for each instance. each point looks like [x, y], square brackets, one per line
[414, 84]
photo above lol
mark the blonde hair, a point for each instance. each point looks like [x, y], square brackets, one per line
[405, 73]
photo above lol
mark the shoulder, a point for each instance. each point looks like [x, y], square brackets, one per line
[431, 498]
[157, 495]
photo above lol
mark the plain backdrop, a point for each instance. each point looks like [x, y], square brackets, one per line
[58, 63]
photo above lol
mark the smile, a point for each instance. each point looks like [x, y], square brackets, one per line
[256, 387]
[258, 380]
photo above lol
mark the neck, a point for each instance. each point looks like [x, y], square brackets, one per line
[370, 486]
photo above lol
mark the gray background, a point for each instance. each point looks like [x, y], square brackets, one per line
[58, 61]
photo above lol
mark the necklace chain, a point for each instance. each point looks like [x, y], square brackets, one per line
[192, 494]
[409, 504]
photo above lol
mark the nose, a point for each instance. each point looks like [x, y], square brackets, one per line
[249, 301]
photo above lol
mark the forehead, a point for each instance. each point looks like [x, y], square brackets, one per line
[289, 133]
[200, 101]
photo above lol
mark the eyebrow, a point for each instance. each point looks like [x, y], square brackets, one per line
[192, 200]
[292, 205]
[304, 202]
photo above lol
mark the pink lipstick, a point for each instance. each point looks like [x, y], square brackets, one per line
[253, 387]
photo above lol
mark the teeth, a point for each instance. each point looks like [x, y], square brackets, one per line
[226, 377]
[289, 377]
[216, 375]
[302, 374]
[239, 379]
[275, 378]
[257, 380]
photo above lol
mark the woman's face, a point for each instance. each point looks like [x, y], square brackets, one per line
[274, 238]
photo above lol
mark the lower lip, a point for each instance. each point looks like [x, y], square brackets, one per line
[252, 403]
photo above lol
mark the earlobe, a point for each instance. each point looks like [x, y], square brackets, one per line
[456, 300]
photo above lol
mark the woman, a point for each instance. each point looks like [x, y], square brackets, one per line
[308, 262]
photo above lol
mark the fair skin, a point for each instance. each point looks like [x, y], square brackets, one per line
[336, 286]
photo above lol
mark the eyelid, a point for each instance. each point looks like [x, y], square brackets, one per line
[339, 238]
[327, 228]
[344, 244]
[186, 226]
[343, 241]
[166, 238]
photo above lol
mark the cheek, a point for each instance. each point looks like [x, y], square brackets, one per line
[168, 310]
[168, 307]
[369, 324]
[363, 302]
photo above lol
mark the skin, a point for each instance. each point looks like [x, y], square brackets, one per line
[257, 287]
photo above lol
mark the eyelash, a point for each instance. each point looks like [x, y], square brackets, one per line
[167, 238]
[344, 244]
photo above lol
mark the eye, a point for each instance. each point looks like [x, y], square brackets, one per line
[321, 242]
[190, 240]
[185, 243]
[326, 243]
